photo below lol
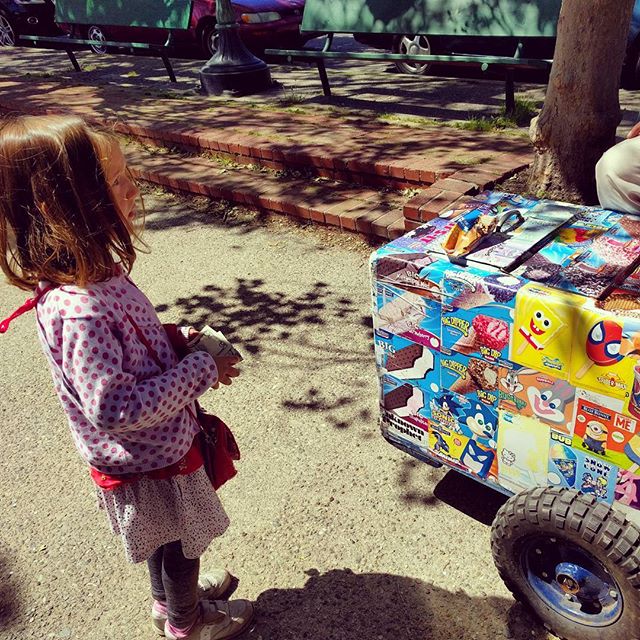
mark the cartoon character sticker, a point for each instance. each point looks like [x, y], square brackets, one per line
[603, 354]
[445, 443]
[538, 395]
[480, 423]
[542, 329]
[523, 450]
[604, 433]
[628, 489]
[575, 469]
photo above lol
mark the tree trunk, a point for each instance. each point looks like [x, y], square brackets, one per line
[581, 110]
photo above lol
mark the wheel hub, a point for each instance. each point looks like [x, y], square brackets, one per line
[570, 581]
[568, 584]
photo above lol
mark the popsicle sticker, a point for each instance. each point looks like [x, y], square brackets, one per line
[603, 346]
[540, 327]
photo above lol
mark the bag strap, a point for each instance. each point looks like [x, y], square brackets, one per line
[154, 356]
[28, 305]
[145, 341]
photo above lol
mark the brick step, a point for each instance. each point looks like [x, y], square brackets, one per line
[350, 207]
[357, 149]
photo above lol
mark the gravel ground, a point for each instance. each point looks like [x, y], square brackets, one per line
[335, 534]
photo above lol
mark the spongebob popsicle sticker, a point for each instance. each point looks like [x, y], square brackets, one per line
[541, 327]
[542, 336]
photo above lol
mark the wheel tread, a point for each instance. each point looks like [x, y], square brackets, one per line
[596, 523]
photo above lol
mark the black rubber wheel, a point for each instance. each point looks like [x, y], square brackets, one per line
[94, 32]
[209, 40]
[538, 539]
[8, 34]
[412, 44]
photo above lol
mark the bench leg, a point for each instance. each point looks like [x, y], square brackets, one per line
[168, 67]
[322, 71]
[509, 94]
[74, 60]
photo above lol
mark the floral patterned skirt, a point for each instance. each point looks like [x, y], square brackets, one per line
[149, 513]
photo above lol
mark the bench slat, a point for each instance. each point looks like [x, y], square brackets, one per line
[392, 57]
[102, 43]
[511, 18]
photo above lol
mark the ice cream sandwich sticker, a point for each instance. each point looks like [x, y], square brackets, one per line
[408, 315]
[408, 361]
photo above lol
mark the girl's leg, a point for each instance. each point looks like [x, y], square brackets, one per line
[154, 563]
[180, 582]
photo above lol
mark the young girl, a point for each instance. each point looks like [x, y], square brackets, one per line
[67, 211]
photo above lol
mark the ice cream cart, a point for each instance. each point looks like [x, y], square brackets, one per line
[507, 341]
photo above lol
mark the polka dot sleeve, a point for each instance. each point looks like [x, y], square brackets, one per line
[113, 399]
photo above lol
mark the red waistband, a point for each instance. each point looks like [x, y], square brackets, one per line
[190, 462]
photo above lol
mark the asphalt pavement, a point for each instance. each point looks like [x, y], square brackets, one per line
[336, 534]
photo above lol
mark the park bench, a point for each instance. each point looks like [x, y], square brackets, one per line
[486, 18]
[169, 15]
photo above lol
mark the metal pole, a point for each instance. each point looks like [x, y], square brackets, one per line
[233, 68]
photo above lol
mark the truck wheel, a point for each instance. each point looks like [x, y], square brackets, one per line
[415, 45]
[97, 33]
[573, 560]
[7, 32]
[210, 40]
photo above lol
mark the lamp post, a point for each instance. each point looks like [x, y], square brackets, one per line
[233, 67]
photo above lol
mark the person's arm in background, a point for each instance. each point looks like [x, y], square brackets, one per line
[618, 174]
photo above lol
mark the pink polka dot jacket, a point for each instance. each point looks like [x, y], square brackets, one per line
[125, 414]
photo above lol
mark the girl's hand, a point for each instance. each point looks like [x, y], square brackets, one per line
[226, 370]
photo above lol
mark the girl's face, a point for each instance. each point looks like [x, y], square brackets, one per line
[125, 192]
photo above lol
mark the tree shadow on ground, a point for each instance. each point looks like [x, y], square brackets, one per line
[11, 595]
[254, 316]
[343, 605]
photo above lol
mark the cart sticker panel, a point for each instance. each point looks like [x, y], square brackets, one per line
[405, 430]
[603, 433]
[538, 395]
[523, 450]
[407, 315]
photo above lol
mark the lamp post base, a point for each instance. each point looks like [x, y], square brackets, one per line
[239, 80]
[233, 68]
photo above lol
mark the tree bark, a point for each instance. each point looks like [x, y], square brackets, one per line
[581, 110]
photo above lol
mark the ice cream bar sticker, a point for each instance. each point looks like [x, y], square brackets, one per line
[539, 328]
[603, 346]
[543, 327]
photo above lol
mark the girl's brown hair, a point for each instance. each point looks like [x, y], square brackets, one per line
[58, 219]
